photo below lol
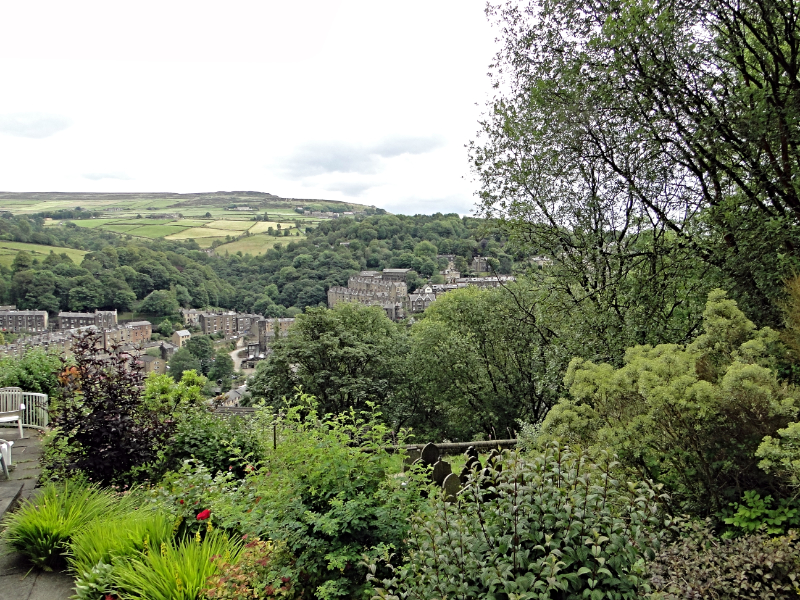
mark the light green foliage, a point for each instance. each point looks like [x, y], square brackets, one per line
[106, 541]
[781, 455]
[36, 371]
[691, 417]
[755, 512]
[42, 529]
[96, 583]
[169, 398]
[173, 571]
[557, 524]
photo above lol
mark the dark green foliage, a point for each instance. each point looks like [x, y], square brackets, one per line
[700, 565]
[103, 420]
[222, 369]
[345, 357]
[554, 525]
[183, 360]
[220, 442]
[202, 348]
[35, 371]
[160, 302]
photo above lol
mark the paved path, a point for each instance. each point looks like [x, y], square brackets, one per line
[17, 580]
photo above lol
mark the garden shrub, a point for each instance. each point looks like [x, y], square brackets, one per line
[262, 570]
[220, 442]
[699, 565]
[690, 417]
[552, 525]
[330, 492]
[41, 529]
[174, 571]
[186, 493]
[755, 513]
[110, 434]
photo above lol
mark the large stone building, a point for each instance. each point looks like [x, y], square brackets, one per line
[270, 329]
[135, 333]
[386, 289]
[222, 322]
[180, 337]
[21, 321]
[104, 319]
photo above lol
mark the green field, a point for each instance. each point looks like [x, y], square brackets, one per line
[201, 232]
[8, 250]
[156, 231]
[263, 226]
[256, 244]
[232, 225]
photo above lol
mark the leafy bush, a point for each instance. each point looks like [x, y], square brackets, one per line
[756, 512]
[699, 565]
[330, 492]
[35, 371]
[41, 529]
[191, 490]
[122, 536]
[174, 571]
[98, 582]
[553, 525]
[689, 417]
[220, 442]
[108, 429]
[262, 570]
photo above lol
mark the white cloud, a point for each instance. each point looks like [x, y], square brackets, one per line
[32, 124]
[350, 99]
[101, 176]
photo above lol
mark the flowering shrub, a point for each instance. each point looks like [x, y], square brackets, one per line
[264, 570]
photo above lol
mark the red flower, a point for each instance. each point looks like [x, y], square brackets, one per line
[204, 515]
[181, 501]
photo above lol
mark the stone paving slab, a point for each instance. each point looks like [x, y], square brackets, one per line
[18, 581]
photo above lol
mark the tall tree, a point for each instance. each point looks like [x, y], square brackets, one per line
[681, 117]
[345, 356]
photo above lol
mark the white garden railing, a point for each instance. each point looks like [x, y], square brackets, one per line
[35, 414]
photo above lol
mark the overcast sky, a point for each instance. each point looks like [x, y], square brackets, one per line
[369, 101]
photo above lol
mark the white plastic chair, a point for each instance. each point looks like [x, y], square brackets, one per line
[5, 456]
[14, 415]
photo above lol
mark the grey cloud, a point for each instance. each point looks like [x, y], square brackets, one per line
[351, 188]
[317, 159]
[99, 176]
[33, 125]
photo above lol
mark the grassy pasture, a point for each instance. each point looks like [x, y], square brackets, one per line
[118, 228]
[155, 231]
[200, 232]
[8, 250]
[96, 223]
[231, 225]
[256, 244]
[263, 226]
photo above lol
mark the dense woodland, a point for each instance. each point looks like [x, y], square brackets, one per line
[122, 272]
[650, 373]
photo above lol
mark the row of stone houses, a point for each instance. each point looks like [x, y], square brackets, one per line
[387, 289]
[21, 321]
[228, 322]
[99, 318]
[134, 334]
